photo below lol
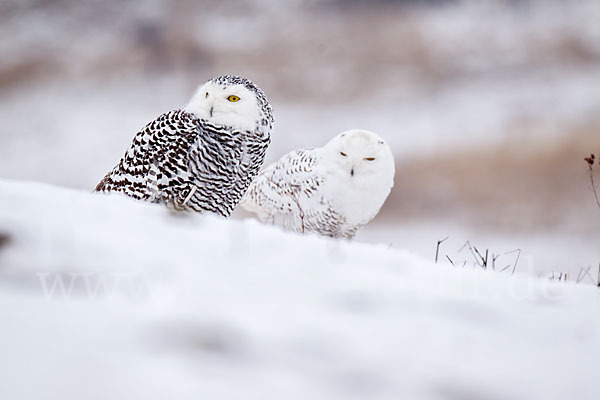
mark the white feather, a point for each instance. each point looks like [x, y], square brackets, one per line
[332, 190]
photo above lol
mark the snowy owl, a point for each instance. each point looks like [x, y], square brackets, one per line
[202, 157]
[332, 190]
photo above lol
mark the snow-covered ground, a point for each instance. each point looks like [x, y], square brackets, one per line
[542, 253]
[103, 296]
[441, 79]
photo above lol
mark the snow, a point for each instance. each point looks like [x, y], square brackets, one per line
[447, 79]
[154, 305]
[196, 306]
[541, 253]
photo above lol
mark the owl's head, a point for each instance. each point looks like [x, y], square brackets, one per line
[360, 154]
[232, 101]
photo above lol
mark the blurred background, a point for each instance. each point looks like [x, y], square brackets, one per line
[489, 106]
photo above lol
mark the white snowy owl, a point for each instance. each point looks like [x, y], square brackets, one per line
[332, 190]
[202, 157]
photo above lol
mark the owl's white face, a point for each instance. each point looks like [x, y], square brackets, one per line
[360, 154]
[230, 105]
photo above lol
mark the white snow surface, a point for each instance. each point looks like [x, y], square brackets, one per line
[157, 305]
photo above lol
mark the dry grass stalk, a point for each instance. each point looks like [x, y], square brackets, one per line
[590, 162]
[437, 248]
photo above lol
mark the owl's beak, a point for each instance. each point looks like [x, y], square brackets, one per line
[211, 110]
[352, 172]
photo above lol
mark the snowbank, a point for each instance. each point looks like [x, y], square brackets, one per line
[105, 297]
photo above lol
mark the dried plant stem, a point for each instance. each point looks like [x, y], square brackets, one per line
[590, 163]
[518, 251]
[591, 173]
[437, 248]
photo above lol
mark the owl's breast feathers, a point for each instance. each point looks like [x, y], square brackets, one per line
[291, 193]
[188, 163]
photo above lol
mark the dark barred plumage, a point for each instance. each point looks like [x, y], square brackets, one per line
[190, 159]
[189, 163]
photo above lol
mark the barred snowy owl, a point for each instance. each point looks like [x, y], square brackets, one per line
[202, 157]
[333, 190]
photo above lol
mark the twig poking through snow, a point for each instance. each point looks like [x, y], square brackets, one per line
[479, 259]
[505, 268]
[582, 274]
[437, 248]
[494, 258]
[484, 260]
[518, 251]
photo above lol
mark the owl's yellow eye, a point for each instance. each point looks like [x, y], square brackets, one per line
[344, 154]
[369, 158]
[233, 98]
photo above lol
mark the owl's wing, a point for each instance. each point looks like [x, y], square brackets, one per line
[156, 159]
[277, 190]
